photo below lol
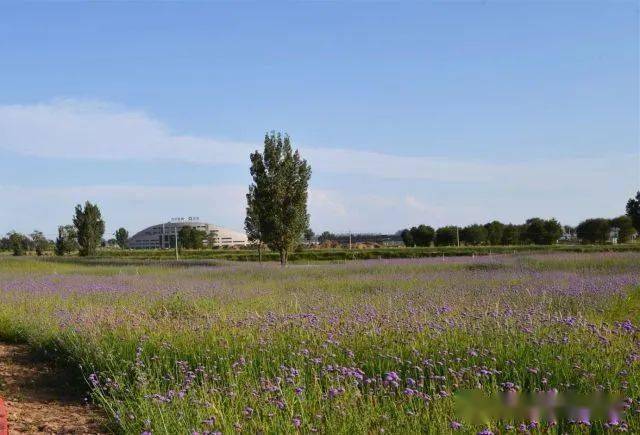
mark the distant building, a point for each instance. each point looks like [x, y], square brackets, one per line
[613, 235]
[568, 237]
[162, 236]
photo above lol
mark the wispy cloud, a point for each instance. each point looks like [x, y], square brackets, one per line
[97, 130]
[570, 189]
[74, 129]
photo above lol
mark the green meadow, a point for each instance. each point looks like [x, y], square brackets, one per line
[384, 345]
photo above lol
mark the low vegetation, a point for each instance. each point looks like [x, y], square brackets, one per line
[360, 347]
[344, 254]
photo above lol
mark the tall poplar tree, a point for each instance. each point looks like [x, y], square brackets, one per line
[252, 221]
[277, 199]
[90, 228]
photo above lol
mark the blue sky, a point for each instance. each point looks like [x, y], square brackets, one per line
[408, 112]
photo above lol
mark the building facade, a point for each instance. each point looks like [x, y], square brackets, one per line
[163, 236]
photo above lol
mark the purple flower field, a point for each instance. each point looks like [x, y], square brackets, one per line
[539, 343]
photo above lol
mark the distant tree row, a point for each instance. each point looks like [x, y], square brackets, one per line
[599, 230]
[19, 243]
[84, 236]
[534, 231]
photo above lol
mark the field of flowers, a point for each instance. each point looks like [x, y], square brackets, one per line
[398, 346]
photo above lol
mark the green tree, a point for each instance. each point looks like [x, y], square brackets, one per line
[407, 238]
[542, 232]
[474, 234]
[122, 235]
[90, 228]
[511, 235]
[422, 235]
[534, 231]
[67, 240]
[18, 243]
[625, 227]
[553, 231]
[633, 211]
[252, 221]
[184, 238]
[593, 230]
[40, 242]
[191, 238]
[278, 195]
[446, 236]
[197, 238]
[309, 235]
[495, 231]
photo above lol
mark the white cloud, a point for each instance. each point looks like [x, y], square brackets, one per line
[95, 130]
[381, 165]
[570, 189]
[75, 129]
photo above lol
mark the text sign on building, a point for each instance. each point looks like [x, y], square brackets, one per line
[182, 219]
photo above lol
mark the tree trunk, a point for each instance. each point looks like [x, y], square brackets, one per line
[259, 252]
[283, 257]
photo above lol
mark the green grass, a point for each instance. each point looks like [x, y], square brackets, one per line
[341, 254]
[219, 338]
[210, 256]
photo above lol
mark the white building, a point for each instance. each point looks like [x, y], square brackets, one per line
[162, 236]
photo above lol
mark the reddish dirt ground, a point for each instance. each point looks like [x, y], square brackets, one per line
[39, 398]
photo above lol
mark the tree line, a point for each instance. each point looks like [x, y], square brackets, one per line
[277, 218]
[535, 231]
[276, 213]
[84, 235]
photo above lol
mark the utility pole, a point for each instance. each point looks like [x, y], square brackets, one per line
[175, 232]
[458, 235]
[349, 240]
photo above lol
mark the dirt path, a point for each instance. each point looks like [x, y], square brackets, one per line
[39, 398]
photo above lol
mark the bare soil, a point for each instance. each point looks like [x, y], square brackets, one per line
[40, 397]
